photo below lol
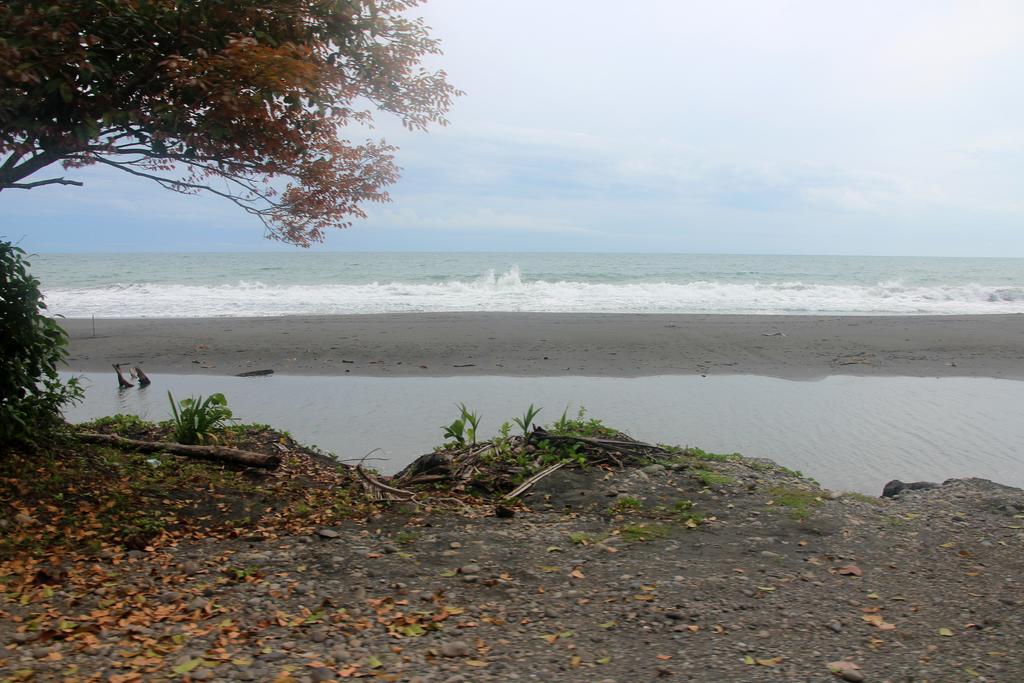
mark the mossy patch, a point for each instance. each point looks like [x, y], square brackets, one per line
[638, 533]
[799, 502]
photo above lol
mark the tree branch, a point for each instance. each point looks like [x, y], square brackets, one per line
[182, 185]
[10, 175]
[39, 183]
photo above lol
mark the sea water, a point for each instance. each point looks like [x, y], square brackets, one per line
[318, 283]
[850, 433]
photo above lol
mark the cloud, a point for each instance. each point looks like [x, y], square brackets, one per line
[482, 219]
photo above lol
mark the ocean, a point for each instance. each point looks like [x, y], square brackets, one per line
[127, 285]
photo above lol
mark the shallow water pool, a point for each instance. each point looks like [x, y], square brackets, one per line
[849, 433]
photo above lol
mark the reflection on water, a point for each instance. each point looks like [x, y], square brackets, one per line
[851, 433]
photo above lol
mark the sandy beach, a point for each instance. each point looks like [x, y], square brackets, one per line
[550, 344]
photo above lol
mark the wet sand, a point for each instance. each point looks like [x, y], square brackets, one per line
[550, 344]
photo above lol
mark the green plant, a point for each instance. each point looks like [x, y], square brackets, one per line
[195, 420]
[406, 537]
[709, 478]
[118, 423]
[643, 532]
[526, 421]
[31, 347]
[863, 498]
[456, 431]
[563, 423]
[472, 421]
[713, 457]
[682, 506]
[626, 503]
[585, 538]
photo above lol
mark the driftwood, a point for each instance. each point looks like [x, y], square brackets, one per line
[255, 373]
[143, 380]
[122, 383]
[382, 491]
[221, 454]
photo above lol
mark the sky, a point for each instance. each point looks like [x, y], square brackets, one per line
[775, 127]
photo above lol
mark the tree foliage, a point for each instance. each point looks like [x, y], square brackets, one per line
[31, 346]
[246, 99]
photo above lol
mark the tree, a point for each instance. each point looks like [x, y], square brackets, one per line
[246, 99]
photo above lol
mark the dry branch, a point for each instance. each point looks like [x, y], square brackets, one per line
[221, 454]
[528, 484]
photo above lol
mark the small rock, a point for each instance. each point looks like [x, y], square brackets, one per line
[327, 533]
[469, 569]
[455, 648]
[835, 626]
[896, 487]
[389, 549]
[653, 469]
[852, 675]
[321, 674]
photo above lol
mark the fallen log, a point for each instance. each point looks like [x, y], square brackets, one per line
[220, 454]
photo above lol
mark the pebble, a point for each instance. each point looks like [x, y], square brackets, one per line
[327, 533]
[321, 674]
[852, 675]
[455, 648]
[469, 569]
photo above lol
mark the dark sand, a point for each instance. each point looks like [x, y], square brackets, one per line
[539, 344]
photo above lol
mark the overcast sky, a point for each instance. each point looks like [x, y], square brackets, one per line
[799, 127]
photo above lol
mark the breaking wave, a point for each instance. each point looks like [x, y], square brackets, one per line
[509, 291]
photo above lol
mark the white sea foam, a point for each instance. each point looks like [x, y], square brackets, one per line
[509, 291]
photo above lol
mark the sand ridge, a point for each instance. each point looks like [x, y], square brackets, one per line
[552, 344]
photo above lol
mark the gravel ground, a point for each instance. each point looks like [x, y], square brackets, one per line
[666, 573]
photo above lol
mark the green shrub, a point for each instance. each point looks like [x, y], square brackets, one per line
[31, 346]
[195, 420]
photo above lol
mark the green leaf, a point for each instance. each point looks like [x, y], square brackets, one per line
[412, 630]
[185, 667]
